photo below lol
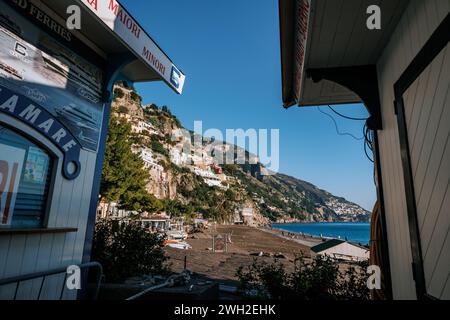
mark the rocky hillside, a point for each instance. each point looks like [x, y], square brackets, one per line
[193, 181]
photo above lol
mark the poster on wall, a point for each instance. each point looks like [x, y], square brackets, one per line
[36, 166]
[11, 163]
[49, 73]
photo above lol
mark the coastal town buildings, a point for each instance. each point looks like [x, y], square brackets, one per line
[210, 178]
[351, 210]
[178, 157]
[143, 127]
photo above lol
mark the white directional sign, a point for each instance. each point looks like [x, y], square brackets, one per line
[116, 18]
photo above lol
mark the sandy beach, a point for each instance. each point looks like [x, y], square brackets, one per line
[246, 243]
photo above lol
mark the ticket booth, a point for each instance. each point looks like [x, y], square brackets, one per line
[55, 97]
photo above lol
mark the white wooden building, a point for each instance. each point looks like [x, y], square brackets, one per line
[55, 98]
[401, 72]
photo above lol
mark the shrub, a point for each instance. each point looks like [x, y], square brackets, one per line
[319, 279]
[127, 250]
[118, 93]
[156, 146]
[122, 109]
[135, 97]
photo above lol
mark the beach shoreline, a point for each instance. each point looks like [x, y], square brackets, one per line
[328, 231]
[308, 240]
[248, 244]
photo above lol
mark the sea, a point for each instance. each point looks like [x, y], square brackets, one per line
[357, 232]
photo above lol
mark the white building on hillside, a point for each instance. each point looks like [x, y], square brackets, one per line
[143, 126]
[178, 157]
[156, 170]
[210, 178]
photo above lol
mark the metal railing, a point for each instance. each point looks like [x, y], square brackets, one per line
[44, 274]
[182, 278]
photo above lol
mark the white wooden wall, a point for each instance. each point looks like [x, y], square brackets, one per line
[427, 112]
[69, 207]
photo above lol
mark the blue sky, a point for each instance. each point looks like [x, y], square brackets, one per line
[230, 53]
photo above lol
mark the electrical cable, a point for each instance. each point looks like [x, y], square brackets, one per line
[346, 117]
[337, 128]
[368, 141]
[367, 154]
[367, 133]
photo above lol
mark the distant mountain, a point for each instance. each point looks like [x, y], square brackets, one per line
[281, 197]
[222, 192]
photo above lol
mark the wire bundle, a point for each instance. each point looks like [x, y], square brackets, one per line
[368, 134]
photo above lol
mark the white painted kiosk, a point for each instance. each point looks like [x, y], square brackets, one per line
[55, 97]
[401, 72]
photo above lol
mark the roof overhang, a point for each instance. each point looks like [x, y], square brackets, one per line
[109, 30]
[329, 34]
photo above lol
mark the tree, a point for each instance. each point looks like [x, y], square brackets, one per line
[127, 250]
[124, 177]
[122, 109]
[118, 93]
[157, 146]
[176, 208]
[135, 97]
[140, 200]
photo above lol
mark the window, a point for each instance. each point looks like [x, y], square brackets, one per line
[25, 173]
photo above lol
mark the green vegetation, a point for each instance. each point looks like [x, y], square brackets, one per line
[135, 97]
[123, 177]
[177, 209]
[118, 93]
[127, 250]
[165, 109]
[157, 146]
[210, 201]
[319, 279]
[122, 109]
[161, 117]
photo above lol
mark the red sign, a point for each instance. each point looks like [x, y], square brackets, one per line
[11, 162]
[303, 10]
